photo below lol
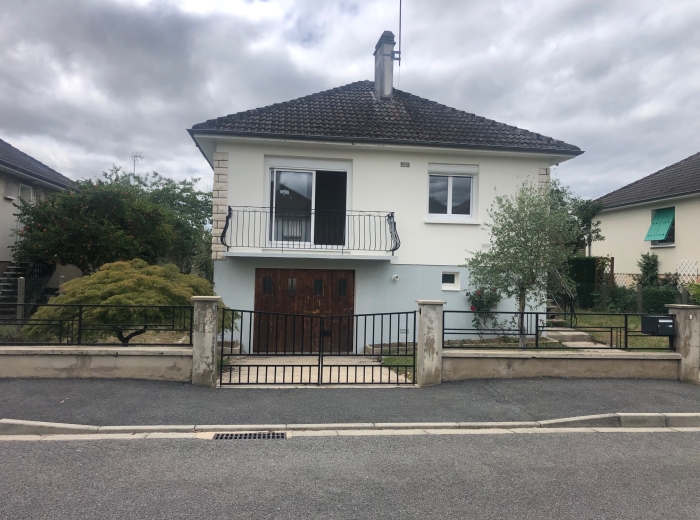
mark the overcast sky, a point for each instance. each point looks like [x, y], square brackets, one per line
[84, 83]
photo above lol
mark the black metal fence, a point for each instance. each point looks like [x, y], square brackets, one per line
[134, 325]
[542, 330]
[264, 347]
[343, 230]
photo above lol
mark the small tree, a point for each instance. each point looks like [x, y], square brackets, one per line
[97, 224]
[581, 213]
[189, 211]
[120, 283]
[529, 242]
[119, 217]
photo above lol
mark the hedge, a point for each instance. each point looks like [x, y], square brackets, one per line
[654, 299]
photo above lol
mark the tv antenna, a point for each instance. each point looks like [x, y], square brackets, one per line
[396, 55]
[136, 156]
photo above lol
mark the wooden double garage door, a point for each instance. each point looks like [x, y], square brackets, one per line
[290, 304]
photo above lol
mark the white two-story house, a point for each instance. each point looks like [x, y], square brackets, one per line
[360, 199]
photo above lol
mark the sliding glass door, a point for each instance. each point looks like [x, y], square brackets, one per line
[293, 200]
[308, 207]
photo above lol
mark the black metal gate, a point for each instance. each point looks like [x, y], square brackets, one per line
[276, 348]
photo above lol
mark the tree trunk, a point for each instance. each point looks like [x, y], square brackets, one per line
[522, 336]
[125, 339]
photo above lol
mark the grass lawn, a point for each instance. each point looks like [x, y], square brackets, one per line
[594, 324]
[402, 365]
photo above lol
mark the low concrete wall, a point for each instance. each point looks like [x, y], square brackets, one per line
[504, 364]
[156, 363]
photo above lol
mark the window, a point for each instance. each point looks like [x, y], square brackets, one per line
[318, 287]
[26, 193]
[267, 285]
[450, 282]
[342, 287]
[662, 231]
[291, 286]
[308, 206]
[451, 190]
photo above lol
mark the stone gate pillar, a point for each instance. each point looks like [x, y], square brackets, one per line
[687, 340]
[429, 343]
[204, 331]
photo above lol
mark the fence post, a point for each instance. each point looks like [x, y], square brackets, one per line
[687, 340]
[205, 324]
[429, 342]
[684, 295]
[21, 300]
[21, 296]
[604, 293]
[640, 298]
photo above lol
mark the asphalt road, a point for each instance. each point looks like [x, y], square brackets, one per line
[572, 475]
[115, 402]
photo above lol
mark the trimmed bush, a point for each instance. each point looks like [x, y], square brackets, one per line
[654, 299]
[623, 299]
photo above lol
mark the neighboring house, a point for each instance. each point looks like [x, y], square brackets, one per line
[656, 214]
[312, 195]
[23, 177]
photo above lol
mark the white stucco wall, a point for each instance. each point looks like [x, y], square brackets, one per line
[8, 221]
[377, 182]
[624, 230]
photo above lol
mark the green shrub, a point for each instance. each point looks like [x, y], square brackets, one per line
[619, 299]
[484, 302]
[623, 299]
[670, 279]
[694, 292]
[654, 299]
[483, 299]
[649, 270]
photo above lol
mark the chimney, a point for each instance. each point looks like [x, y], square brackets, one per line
[384, 66]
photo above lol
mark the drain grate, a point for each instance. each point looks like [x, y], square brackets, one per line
[249, 436]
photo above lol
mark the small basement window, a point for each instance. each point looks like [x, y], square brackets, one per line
[662, 231]
[450, 282]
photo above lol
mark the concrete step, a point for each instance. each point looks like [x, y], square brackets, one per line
[567, 335]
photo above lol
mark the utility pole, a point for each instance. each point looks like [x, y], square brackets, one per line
[136, 156]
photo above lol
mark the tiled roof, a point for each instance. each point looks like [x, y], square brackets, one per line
[353, 113]
[11, 157]
[678, 179]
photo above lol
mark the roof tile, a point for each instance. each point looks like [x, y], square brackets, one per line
[353, 112]
[13, 158]
[678, 179]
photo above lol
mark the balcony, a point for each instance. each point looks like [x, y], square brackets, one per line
[340, 231]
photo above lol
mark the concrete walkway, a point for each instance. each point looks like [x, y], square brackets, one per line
[126, 402]
[304, 370]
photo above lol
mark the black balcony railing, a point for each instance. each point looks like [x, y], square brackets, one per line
[343, 230]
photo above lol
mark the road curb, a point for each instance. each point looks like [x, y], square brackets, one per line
[609, 420]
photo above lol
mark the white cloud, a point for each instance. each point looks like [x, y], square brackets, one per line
[84, 83]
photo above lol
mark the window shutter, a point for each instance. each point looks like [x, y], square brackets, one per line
[11, 190]
[660, 224]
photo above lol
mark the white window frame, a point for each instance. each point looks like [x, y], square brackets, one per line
[450, 171]
[272, 183]
[451, 286]
[31, 192]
